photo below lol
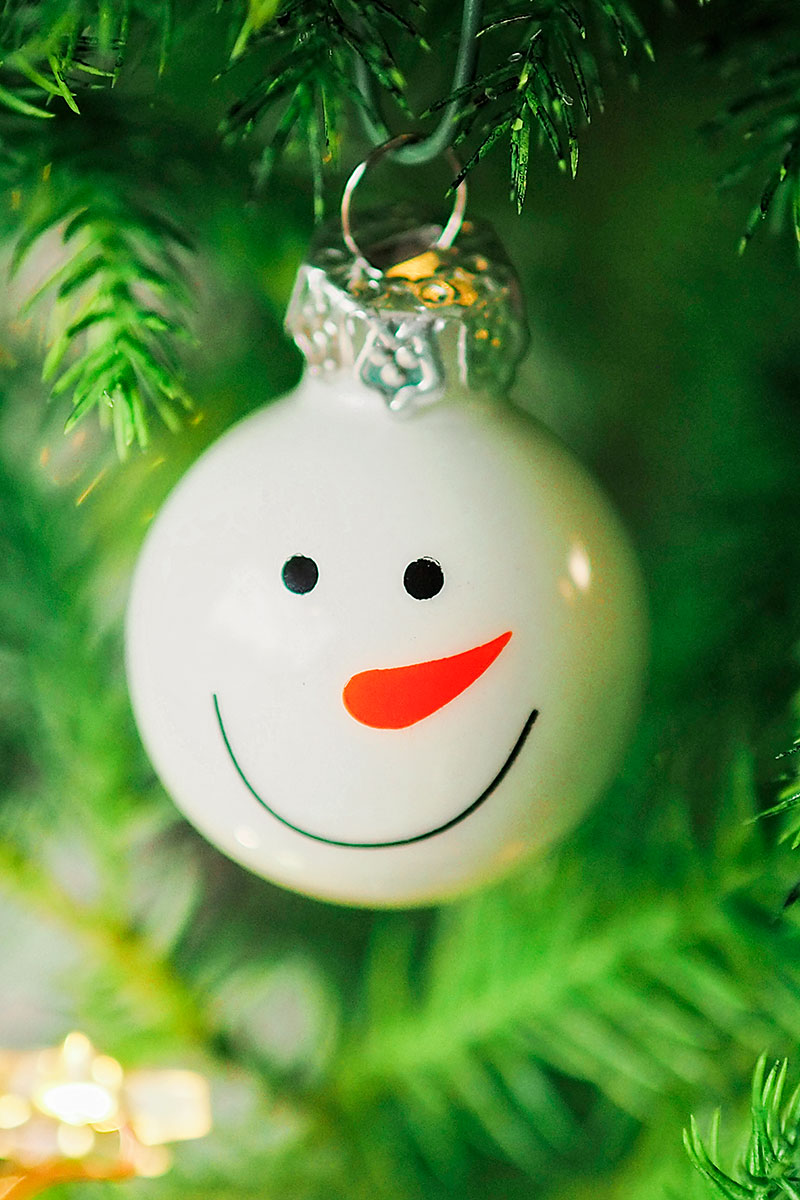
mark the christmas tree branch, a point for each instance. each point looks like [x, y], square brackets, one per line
[761, 51]
[55, 673]
[307, 51]
[119, 298]
[51, 50]
[547, 81]
[156, 992]
[770, 1165]
[510, 1004]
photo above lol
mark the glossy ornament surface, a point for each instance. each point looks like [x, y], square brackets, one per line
[381, 658]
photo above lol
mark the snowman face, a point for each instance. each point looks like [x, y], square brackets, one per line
[363, 650]
[397, 697]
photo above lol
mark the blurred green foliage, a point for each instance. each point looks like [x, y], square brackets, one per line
[550, 1036]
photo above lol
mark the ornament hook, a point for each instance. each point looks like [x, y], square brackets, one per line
[454, 221]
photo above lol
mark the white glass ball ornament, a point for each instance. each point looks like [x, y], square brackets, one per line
[386, 637]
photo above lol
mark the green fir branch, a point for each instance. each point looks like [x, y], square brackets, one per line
[52, 50]
[638, 998]
[306, 54]
[119, 299]
[788, 802]
[770, 1166]
[761, 52]
[547, 84]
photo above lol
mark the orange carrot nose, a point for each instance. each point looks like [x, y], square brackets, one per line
[401, 696]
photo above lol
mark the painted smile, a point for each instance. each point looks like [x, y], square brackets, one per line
[407, 841]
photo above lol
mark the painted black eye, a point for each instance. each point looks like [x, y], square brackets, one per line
[300, 574]
[423, 578]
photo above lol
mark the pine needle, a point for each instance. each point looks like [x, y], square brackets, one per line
[118, 305]
[622, 994]
[770, 1166]
[559, 49]
[761, 54]
[50, 50]
[307, 48]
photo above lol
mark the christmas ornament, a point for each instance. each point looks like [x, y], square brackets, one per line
[70, 1114]
[386, 637]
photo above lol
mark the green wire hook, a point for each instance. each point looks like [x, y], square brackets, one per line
[426, 149]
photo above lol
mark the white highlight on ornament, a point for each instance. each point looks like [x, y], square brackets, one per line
[360, 735]
[579, 567]
[245, 837]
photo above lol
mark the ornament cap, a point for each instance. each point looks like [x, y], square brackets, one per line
[411, 319]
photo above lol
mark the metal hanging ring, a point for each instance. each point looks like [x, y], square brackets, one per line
[454, 222]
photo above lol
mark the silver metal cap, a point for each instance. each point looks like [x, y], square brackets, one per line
[408, 318]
